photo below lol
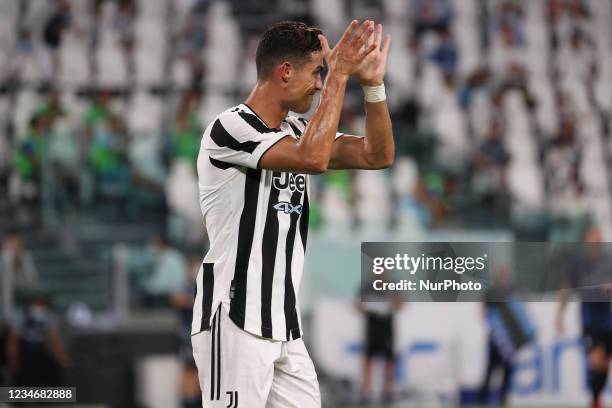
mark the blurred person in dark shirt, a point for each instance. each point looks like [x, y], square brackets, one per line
[590, 277]
[379, 309]
[34, 349]
[563, 156]
[490, 162]
[430, 15]
[509, 329]
[58, 21]
[446, 53]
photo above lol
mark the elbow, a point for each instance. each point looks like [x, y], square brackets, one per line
[313, 163]
[387, 161]
[382, 162]
[316, 167]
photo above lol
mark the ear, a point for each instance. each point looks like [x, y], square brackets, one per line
[286, 71]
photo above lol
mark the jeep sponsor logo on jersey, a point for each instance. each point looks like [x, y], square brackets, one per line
[293, 182]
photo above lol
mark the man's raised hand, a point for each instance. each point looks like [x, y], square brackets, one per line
[371, 70]
[351, 50]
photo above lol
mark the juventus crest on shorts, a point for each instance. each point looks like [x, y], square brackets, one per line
[257, 224]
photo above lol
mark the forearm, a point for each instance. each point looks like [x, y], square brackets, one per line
[318, 138]
[378, 146]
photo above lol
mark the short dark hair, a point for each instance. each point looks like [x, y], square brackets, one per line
[288, 40]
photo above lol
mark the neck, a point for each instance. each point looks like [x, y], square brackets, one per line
[264, 102]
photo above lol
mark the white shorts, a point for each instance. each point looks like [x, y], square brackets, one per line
[240, 370]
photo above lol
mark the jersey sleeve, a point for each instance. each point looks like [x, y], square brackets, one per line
[239, 138]
[304, 122]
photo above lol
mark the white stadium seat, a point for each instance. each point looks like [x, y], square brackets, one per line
[145, 113]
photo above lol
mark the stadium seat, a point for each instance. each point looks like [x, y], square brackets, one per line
[546, 113]
[145, 114]
[223, 55]
[401, 72]
[212, 105]
[27, 101]
[111, 62]
[154, 9]
[151, 36]
[525, 184]
[466, 33]
[149, 66]
[480, 114]
[450, 126]
[181, 73]
[372, 190]
[430, 88]
[329, 14]
[74, 69]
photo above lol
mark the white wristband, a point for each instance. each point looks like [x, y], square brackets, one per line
[374, 93]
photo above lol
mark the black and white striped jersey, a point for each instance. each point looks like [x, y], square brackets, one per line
[257, 223]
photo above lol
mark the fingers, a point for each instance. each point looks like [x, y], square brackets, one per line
[363, 33]
[378, 35]
[387, 44]
[364, 52]
[348, 31]
[324, 45]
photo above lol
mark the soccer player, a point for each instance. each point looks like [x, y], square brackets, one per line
[253, 171]
[590, 275]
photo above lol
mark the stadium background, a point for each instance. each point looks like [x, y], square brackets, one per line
[501, 114]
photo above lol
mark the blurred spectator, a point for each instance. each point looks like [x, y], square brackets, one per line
[490, 162]
[191, 39]
[52, 108]
[57, 22]
[562, 157]
[107, 158]
[566, 16]
[446, 54]
[127, 12]
[430, 15]
[18, 270]
[34, 349]
[98, 111]
[29, 155]
[168, 273]
[182, 301]
[510, 23]
[186, 135]
[123, 23]
[576, 59]
[379, 310]
[509, 330]
[430, 198]
[590, 277]
[18, 263]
